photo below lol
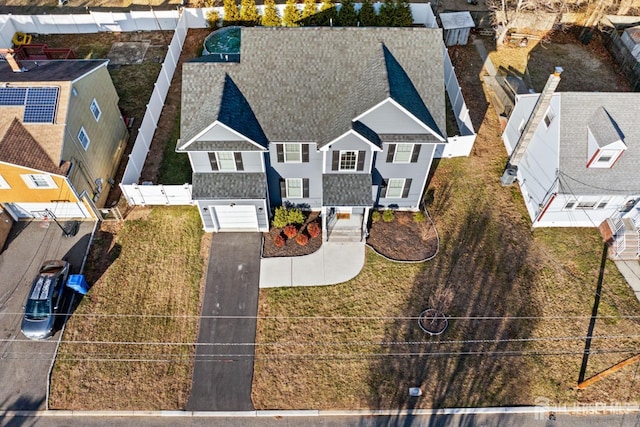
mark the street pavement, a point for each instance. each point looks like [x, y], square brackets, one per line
[479, 420]
[25, 364]
[223, 373]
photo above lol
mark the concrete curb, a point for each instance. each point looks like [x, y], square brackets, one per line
[576, 409]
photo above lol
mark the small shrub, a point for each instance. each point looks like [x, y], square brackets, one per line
[285, 216]
[295, 216]
[419, 217]
[290, 231]
[278, 241]
[375, 216]
[388, 215]
[302, 239]
[313, 229]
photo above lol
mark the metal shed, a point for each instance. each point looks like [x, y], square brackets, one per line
[456, 26]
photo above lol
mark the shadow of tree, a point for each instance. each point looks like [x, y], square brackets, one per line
[472, 363]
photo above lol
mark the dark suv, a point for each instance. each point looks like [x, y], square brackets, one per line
[44, 300]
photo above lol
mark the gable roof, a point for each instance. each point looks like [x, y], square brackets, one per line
[307, 84]
[603, 128]
[19, 147]
[578, 111]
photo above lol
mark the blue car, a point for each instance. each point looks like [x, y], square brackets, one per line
[44, 300]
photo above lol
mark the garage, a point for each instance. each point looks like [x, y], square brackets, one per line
[235, 218]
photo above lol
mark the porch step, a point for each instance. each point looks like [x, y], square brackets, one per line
[345, 236]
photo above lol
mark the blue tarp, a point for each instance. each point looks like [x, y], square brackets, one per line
[78, 283]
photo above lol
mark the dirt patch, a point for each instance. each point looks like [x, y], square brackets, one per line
[403, 239]
[291, 248]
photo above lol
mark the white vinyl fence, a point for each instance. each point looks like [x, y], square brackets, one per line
[459, 145]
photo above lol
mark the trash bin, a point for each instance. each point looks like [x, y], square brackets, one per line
[78, 283]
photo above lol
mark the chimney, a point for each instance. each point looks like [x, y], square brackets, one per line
[13, 62]
[537, 115]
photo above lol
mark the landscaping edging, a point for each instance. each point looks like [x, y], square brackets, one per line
[429, 258]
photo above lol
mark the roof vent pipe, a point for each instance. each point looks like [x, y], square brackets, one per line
[539, 111]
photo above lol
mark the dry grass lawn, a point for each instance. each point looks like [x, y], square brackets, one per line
[519, 302]
[129, 344]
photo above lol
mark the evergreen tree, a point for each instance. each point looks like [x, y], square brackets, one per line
[249, 12]
[367, 14]
[310, 9]
[347, 16]
[387, 13]
[403, 16]
[329, 12]
[231, 15]
[270, 17]
[291, 14]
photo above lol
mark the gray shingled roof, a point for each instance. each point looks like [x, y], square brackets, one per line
[407, 137]
[603, 128]
[343, 189]
[229, 186]
[306, 84]
[577, 110]
[222, 146]
[50, 70]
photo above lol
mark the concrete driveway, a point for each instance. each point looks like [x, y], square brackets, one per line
[24, 364]
[223, 370]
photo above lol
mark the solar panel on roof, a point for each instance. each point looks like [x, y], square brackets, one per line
[12, 95]
[39, 113]
[42, 96]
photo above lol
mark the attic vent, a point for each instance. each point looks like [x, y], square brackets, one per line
[605, 141]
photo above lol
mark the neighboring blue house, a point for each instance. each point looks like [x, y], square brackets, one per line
[336, 120]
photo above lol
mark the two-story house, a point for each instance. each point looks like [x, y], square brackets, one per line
[61, 137]
[580, 165]
[336, 120]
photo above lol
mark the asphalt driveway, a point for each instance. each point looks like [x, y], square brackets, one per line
[24, 364]
[223, 370]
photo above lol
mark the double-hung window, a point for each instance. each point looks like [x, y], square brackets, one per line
[348, 160]
[83, 138]
[226, 161]
[397, 188]
[403, 153]
[38, 181]
[95, 109]
[295, 188]
[292, 153]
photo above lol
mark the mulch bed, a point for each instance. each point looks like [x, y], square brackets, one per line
[403, 239]
[291, 248]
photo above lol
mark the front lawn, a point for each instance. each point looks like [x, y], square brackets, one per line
[129, 344]
[519, 302]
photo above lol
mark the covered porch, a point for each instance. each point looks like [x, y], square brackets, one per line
[346, 203]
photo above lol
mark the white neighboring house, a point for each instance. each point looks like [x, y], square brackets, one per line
[581, 166]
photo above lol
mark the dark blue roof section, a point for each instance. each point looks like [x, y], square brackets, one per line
[402, 90]
[236, 113]
[367, 133]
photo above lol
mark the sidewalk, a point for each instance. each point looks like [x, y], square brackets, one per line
[333, 263]
[630, 270]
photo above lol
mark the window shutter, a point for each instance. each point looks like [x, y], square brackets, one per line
[361, 156]
[383, 188]
[416, 153]
[238, 158]
[283, 189]
[305, 153]
[391, 152]
[280, 153]
[405, 190]
[336, 161]
[214, 161]
[305, 187]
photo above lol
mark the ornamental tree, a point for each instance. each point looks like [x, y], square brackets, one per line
[270, 18]
[291, 14]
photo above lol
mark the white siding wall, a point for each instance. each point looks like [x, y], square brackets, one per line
[557, 216]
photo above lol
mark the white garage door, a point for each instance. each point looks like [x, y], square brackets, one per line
[235, 218]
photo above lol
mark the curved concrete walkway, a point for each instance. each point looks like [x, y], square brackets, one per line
[333, 263]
